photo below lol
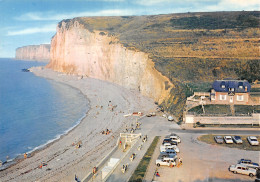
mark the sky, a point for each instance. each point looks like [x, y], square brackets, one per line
[33, 22]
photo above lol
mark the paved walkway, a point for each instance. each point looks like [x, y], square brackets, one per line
[152, 126]
[152, 168]
[117, 175]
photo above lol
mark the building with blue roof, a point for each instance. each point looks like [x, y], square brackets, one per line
[230, 92]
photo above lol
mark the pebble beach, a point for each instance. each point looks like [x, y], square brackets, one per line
[63, 159]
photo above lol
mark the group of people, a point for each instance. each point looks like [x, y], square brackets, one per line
[77, 145]
[132, 157]
[132, 130]
[106, 132]
[111, 106]
[124, 168]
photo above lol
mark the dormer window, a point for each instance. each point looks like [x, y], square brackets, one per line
[241, 86]
[223, 86]
[231, 89]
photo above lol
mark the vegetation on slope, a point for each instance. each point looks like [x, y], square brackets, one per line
[190, 47]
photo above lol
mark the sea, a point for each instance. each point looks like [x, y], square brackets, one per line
[34, 111]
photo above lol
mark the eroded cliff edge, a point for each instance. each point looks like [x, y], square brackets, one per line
[96, 54]
[34, 52]
[166, 57]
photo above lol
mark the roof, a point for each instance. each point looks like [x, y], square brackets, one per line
[239, 86]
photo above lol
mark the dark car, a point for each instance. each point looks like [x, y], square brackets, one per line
[249, 163]
[237, 139]
[168, 140]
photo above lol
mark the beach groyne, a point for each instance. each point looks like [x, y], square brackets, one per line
[34, 52]
[75, 49]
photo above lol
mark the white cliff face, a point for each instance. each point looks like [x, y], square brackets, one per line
[76, 50]
[34, 52]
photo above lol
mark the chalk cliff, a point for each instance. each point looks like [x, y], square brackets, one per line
[34, 52]
[96, 54]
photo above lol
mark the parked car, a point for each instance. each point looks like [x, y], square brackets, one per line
[242, 169]
[167, 157]
[257, 176]
[170, 118]
[166, 146]
[151, 114]
[218, 139]
[228, 139]
[252, 140]
[237, 139]
[249, 163]
[166, 161]
[169, 152]
[168, 140]
[175, 138]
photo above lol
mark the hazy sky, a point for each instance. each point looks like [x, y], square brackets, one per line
[33, 22]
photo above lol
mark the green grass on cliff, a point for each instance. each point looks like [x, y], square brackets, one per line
[189, 48]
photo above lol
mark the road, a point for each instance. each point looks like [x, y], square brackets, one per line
[201, 161]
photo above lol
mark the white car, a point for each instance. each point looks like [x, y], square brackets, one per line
[175, 138]
[170, 118]
[249, 163]
[252, 140]
[242, 169]
[228, 139]
[166, 161]
[166, 146]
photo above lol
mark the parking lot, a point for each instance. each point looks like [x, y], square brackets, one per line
[201, 161]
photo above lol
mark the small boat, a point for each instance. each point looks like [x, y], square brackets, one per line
[25, 70]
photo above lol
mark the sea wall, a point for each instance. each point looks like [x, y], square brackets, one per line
[34, 52]
[94, 53]
[249, 120]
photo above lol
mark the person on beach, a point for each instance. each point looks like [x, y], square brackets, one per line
[76, 178]
[180, 160]
[94, 171]
[157, 174]
[25, 155]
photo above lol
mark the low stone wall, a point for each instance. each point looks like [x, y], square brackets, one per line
[254, 119]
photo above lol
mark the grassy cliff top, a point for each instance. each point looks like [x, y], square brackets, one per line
[191, 49]
[215, 43]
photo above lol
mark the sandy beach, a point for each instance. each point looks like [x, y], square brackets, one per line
[62, 157]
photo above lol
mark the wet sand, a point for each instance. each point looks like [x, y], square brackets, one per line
[62, 157]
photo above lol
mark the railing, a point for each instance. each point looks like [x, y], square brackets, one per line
[202, 94]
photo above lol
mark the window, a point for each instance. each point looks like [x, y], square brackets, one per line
[238, 167]
[241, 86]
[231, 89]
[213, 97]
[222, 97]
[240, 97]
[223, 86]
